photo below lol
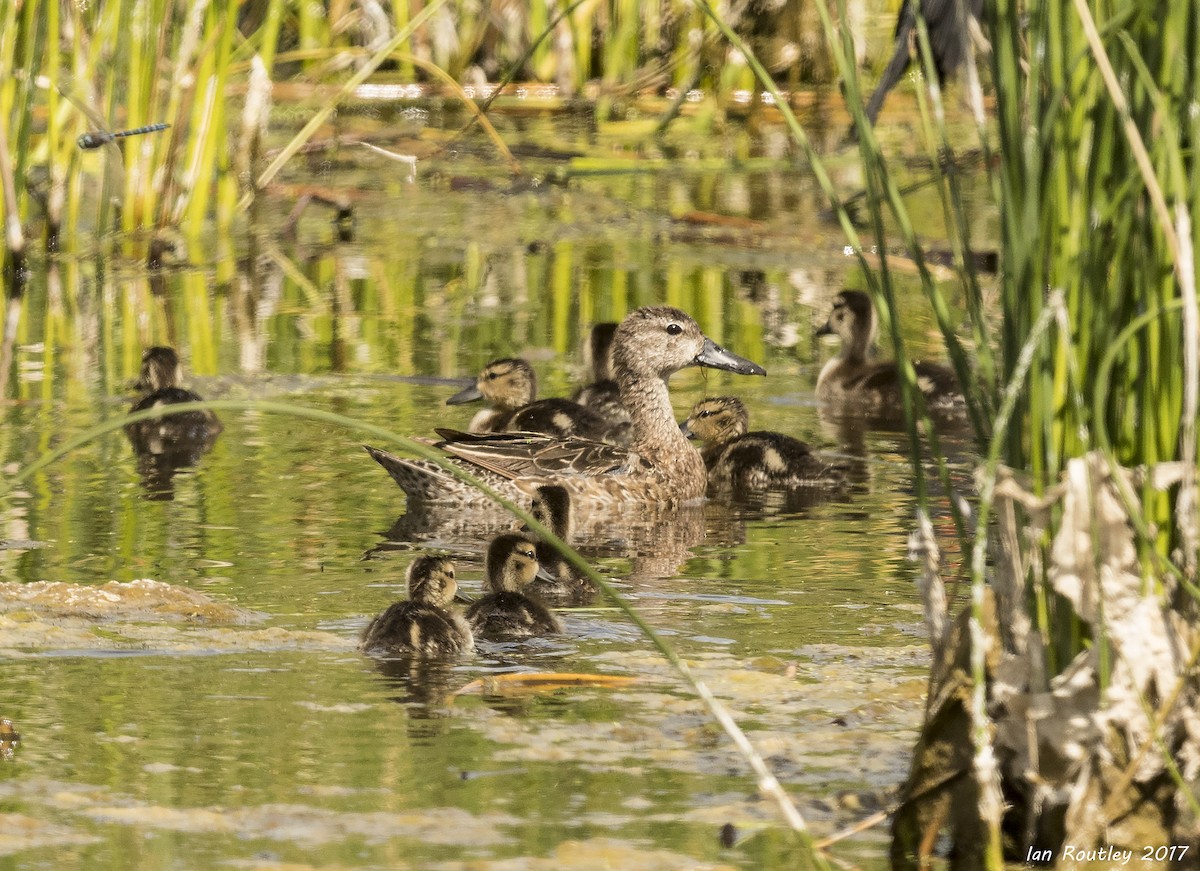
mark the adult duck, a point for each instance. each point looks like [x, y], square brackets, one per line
[424, 624]
[659, 468]
[509, 387]
[743, 462]
[854, 380]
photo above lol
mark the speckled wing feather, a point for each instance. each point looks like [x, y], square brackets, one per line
[533, 456]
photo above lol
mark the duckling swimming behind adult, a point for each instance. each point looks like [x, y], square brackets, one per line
[561, 581]
[505, 611]
[741, 462]
[856, 381]
[602, 396]
[658, 469]
[509, 386]
[191, 431]
[424, 624]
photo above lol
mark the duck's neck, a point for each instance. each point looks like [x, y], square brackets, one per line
[860, 347]
[653, 419]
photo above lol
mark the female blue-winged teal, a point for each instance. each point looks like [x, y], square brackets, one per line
[424, 624]
[189, 432]
[561, 582]
[660, 468]
[602, 396]
[742, 462]
[509, 386]
[504, 611]
[854, 380]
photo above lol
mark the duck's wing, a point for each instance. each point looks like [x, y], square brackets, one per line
[531, 455]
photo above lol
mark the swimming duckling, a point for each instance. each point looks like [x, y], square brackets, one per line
[505, 611]
[855, 380]
[423, 624]
[561, 581]
[747, 462]
[189, 432]
[659, 469]
[509, 386]
[602, 395]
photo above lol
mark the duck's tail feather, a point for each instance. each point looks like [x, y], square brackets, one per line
[424, 481]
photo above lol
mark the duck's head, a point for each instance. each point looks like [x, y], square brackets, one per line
[431, 580]
[716, 420]
[552, 509]
[511, 562]
[508, 384]
[852, 320]
[599, 350]
[660, 340]
[160, 368]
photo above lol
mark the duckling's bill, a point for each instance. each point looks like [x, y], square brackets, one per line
[716, 357]
[470, 393]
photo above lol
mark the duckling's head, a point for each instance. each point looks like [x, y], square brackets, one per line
[852, 320]
[160, 369]
[552, 509]
[599, 350]
[431, 580]
[658, 341]
[506, 384]
[511, 562]
[717, 420]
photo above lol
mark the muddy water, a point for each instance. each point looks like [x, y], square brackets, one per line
[178, 651]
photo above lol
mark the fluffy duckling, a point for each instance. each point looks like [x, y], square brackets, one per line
[506, 612]
[602, 395]
[424, 624]
[745, 462]
[509, 386]
[160, 377]
[561, 581]
[854, 379]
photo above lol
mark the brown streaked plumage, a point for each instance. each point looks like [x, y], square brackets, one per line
[424, 624]
[505, 611]
[855, 381]
[744, 463]
[659, 468]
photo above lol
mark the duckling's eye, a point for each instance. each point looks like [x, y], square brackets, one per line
[707, 413]
[492, 376]
[674, 329]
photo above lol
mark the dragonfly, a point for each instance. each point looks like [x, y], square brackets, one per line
[99, 138]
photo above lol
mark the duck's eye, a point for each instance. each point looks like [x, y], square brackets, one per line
[707, 413]
[674, 329]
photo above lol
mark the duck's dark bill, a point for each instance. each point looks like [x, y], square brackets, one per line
[686, 430]
[826, 330]
[467, 394]
[718, 358]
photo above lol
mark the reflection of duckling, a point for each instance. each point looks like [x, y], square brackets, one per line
[505, 611]
[189, 432]
[746, 462]
[854, 380]
[602, 395]
[424, 624]
[509, 386]
[552, 509]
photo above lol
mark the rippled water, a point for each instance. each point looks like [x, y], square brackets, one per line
[249, 732]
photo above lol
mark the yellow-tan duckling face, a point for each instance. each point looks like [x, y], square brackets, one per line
[552, 509]
[717, 420]
[506, 384]
[852, 318]
[160, 368]
[511, 563]
[431, 580]
[657, 341]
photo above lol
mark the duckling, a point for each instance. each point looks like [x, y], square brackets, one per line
[509, 386]
[659, 468]
[853, 379]
[189, 432]
[747, 462]
[424, 624]
[602, 396]
[561, 580]
[505, 611]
